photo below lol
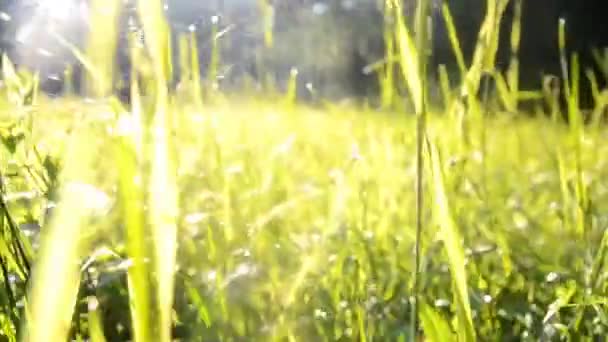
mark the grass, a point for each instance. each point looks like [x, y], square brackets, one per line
[198, 215]
[321, 235]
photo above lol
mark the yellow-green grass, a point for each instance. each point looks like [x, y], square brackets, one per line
[202, 216]
[298, 223]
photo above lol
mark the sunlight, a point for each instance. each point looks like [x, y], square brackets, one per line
[61, 10]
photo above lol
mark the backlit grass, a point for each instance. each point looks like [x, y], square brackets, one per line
[197, 215]
[301, 223]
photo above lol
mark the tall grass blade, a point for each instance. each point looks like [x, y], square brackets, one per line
[292, 88]
[195, 71]
[487, 46]
[453, 36]
[453, 245]
[387, 83]
[601, 60]
[513, 71]
[408, 57]
[102, 44]
[413, 60]
[131, 199]
[56, 270]
[563, 56]
[576, 124]
[267, 11]
[446, 91]
[504, 92]
[95, 321]
[435, 327]
[162, 187]
[212, 72]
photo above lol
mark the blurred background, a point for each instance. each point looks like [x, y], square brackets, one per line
[331, 43]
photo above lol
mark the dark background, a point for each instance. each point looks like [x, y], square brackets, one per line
[331, 42]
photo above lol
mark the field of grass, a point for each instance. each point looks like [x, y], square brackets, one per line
[201, 216]
[300, 223]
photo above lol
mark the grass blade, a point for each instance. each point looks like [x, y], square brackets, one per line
[61, 249]
[132, 203]
[102, 44]
[162, 187]
[513, 71]
[95, 323]
[435, 327]
[453, 246]
[453, 36]
[408, 57]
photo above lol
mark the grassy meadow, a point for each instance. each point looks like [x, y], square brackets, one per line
[196, 215]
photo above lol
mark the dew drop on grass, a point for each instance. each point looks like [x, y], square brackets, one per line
[552, 277]
[310, 87]
[45, 53]
[320, 8]
[124, 125]
[348, 4]
[554, 206]
[521, 222]
[12, 278]
[92, 303]
[315, 237]
[195, 218]
[284, 147]
[332, 258]
[30, 229]
[320, 314]
[244, 252]
[442, 303]
[94, 199]
[54, 77]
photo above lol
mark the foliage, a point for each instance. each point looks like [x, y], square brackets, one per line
[196, 215]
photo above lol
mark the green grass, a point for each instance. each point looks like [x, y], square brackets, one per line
[205, 216]
[301, 223]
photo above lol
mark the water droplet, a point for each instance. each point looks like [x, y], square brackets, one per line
[552, 277]
[195, 218]
[92, 197]
[442, 303]
[320, 8]
[5, 16]
[320, 314]
[45, 53]
[92, 303]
